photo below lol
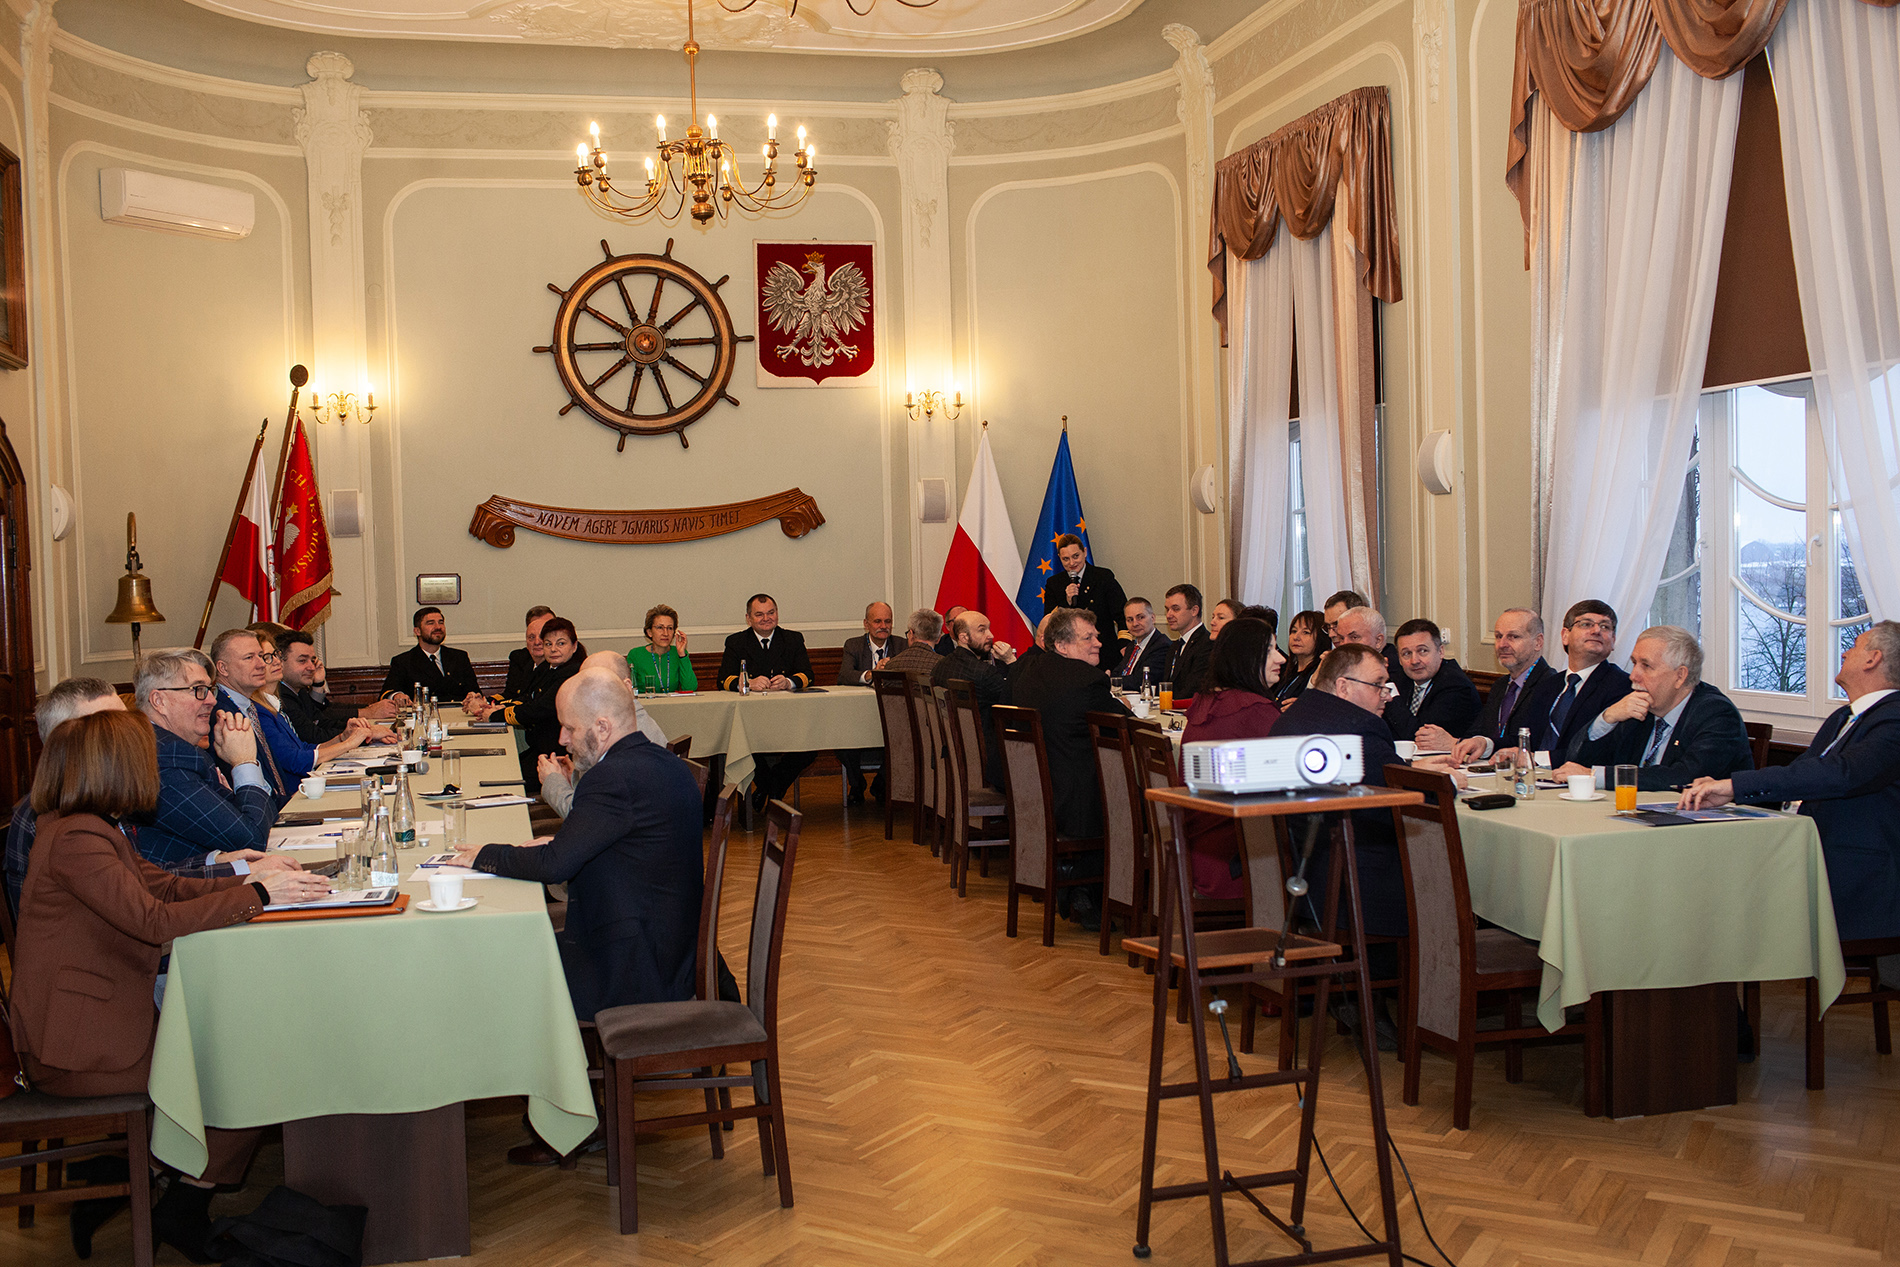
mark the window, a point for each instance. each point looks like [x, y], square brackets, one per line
[1299, 572]
[1758, 565]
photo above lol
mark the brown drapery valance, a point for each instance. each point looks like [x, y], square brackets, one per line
[1343, 150]
[1590, 58]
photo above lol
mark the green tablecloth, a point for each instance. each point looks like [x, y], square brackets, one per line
[383, 1014]
[775, 721]
[1616, 905]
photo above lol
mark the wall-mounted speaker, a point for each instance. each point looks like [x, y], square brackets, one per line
[933, 500]
[346, 512]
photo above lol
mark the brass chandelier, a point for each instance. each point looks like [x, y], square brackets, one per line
[699, 169]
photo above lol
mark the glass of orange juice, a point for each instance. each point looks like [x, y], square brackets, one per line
[1625, 787]
[1166, 694]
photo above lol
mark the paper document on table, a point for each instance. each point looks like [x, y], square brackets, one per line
[496, 802]
[348, 897]
[424, 874]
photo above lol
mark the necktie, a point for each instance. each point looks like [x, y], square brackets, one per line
[1841, 733]
[1504, 715]
[1418, 695]
[1655, 747]
[1129, 660]
[1561, 710]
[435, 662]
[263, 749]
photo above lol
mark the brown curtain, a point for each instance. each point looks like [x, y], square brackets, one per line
[1339, 154]
[1590, 58]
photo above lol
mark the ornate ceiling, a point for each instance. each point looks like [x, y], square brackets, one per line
[819, 26]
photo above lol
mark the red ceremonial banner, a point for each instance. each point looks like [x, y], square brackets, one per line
[303, 541]
[817, 317]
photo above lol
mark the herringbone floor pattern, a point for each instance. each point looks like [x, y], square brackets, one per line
[957, 1097]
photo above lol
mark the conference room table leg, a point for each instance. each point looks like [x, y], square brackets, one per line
[409, 1169]
[1670, 1050]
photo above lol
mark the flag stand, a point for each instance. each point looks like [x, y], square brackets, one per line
[298, 377]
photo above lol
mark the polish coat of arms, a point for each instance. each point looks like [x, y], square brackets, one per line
[816, 312]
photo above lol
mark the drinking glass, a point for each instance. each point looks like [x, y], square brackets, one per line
[454, 824]
[451, 769]
[1625, 787]
[1166, 696]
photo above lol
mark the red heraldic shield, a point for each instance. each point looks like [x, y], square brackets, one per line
[816, 316]
[303, 541]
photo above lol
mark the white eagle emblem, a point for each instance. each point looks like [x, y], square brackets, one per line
[817, 315]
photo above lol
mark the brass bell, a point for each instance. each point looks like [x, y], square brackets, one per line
[135, 606]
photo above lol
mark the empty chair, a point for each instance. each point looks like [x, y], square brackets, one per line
[978, 820]
[930, 762]
[1760, 735]
[1124, 851]
[1456, 961]
[680, 745]
[1862, 960]
[677, 1044]
[1035, 849]
[901, 750]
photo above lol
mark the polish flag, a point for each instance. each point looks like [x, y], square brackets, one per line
[247, 568]
[985, 569]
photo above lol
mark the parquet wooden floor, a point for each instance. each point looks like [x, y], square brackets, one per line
[956, 1097]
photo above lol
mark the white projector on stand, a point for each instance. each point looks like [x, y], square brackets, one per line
[1290, 764]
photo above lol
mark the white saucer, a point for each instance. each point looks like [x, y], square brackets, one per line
[1594, 796]
[426, 905]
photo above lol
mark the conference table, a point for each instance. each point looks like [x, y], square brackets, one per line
[365, 1036]
[1663, 920]
[737, 726]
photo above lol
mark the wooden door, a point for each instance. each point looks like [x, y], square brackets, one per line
[19, 737]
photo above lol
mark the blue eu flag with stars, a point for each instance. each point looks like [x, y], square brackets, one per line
[1061, 513]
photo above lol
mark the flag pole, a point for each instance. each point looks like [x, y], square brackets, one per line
[224, 555]
[298, 377]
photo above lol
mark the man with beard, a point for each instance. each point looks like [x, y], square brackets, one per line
[979, 659]
[629, 853]
[442, 671]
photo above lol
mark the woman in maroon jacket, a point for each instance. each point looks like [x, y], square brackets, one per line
[1234, 704]
[94, 919]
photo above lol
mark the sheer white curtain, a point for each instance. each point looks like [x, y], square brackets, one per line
[1329, 551]
[1259, 379]
[1837, 84]
[1552, 147]
[1644, 236]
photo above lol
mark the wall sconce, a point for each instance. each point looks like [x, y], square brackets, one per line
[340, 405]
[925, 405]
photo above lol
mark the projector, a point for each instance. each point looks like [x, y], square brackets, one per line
[1290, 764]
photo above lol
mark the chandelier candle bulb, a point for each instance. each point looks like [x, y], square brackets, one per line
[580, 154]
[659, 125]
[771, 127]
[712, 127]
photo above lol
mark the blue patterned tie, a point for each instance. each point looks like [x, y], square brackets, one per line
[1655, 747]
[1561, 710]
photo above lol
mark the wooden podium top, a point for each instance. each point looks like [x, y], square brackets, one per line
[1273, 804]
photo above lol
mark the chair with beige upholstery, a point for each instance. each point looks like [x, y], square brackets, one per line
[931, 772]
[1035, 848]
[901, 750]
[1454, 961]
[674, 1045]
[978, 820]
[1124, 843]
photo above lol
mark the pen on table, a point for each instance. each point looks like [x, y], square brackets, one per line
[502, 783]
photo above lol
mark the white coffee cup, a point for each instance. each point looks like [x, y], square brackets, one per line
[1582, 786]
[411, 756]
[1407, 749]
[312, 786]
[445, 891]
[1138, 706]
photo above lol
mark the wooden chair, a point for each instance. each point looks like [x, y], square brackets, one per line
[1862, 961]
[1035, 847]
[653, 1044]
[41, 1125]
[1760, 735]
[706, 949]
[1456, 961]
[975, 807]
[702, 775]
[1124, 854]
[902, 753]
[680, 746]
[930, 764]
[1156, 766]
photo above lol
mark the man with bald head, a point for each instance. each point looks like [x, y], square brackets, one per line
[629, 853]
[979, 659]
[863, 656]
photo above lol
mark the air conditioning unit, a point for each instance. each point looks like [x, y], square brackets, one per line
[171, 205]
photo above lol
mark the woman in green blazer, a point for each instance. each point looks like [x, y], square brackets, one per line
[662, 665]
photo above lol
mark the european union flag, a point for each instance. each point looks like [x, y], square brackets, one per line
[1061, 513]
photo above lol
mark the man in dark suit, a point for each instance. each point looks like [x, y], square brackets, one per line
[1562, 706]
[1065, 685]
[1674, 726]
[1031, 653]
[984, 663]
[1144, 649]
[1848, 782]
[1434, 691]
[770, 659]
[442, 671]
[629, 852]
[1518, 639]
[525, 659]
[1194, 647]
[1082, 584]
[315, 721]
[862, 656]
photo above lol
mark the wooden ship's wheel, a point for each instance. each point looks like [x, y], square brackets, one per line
[640, 357]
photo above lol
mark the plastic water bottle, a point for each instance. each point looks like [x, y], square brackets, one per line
[745, 683]
[382, 862]
[1524, 768]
